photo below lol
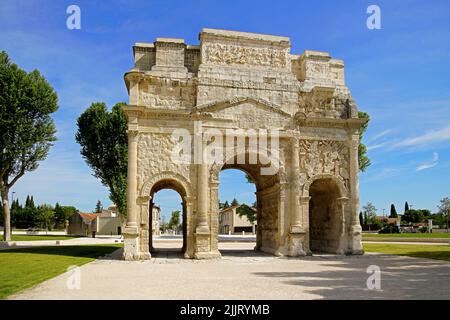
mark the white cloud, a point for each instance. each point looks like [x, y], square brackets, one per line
[425, 139]
[379, 135]
[429, 164]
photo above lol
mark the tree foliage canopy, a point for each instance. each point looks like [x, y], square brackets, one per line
[247, 211]
[104, 145]
[26, 128]
[363, 159]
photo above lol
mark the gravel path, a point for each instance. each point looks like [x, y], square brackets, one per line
[244, 274]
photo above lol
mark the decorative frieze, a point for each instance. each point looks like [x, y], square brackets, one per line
[230, 54]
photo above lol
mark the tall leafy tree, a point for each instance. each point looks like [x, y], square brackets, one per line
[361, 218]
[413, 216]
[63, 213]
[45, 216]
[393, 213]
[27, 130]
[370, 214]
[102, 136]
[247, 211]
[363, 159]
[444, 210]
[174, 222]
[234, 202]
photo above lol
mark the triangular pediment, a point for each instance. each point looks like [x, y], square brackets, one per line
[217, 106]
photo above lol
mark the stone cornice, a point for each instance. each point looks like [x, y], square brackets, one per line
[226, 103]
[352, 123]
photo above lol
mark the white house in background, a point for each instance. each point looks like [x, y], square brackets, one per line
[230, 222]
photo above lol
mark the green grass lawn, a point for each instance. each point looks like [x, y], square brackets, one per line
[26, 237]
[24, 268]
[406, 235]
[412, 250]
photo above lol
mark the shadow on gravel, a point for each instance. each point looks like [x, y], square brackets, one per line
[401, 278]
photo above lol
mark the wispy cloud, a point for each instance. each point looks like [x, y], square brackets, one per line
[379, 135]
[429, 164]
[426, 139]
[377, 146]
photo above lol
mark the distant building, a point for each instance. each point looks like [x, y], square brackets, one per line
[108, 222]
[82, 224]
[156, 216]
[230, 222]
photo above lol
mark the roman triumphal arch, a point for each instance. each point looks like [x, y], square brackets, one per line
[243, 100]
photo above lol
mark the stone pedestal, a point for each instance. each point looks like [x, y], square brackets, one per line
[296, 240]
[203, 248]
[131, 244]
[356, 240]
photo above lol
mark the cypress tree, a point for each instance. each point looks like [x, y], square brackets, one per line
[393, 212]
[406, 206]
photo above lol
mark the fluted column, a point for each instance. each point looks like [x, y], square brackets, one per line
[355, 228]
[132, 179]
[296, 236]
[354, 180]
[202, 185]
[132, 233]
[296, 222]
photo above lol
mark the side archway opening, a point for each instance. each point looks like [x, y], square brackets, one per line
[325, 216]
[167, 218]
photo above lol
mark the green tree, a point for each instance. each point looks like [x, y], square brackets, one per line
[234, 202]
[27, 202]
[102, 136]
[370, 215]
[406, 206]
[174, 222]
[363, 159]
[444, 210]
[32, 202]
[247, 211]
[226, 205]
[63, 214]
[27, 130]
[98, 207]
[361, 218]
[45, 216]
[413, 216]
[393, 213]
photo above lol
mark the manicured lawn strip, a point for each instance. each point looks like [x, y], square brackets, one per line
[411, 250]
[24, 268]
[26, 237]
[406, 235]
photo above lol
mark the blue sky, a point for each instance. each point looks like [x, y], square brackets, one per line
[399, 74]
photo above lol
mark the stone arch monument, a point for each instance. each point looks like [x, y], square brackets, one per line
[287, 120]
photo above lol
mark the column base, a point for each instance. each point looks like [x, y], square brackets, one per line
[207, 255]
[131, 243]
[356, 247]
[295, 248]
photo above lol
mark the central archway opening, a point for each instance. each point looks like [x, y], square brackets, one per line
[325, 221]
[167, 220]
[238, 212]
